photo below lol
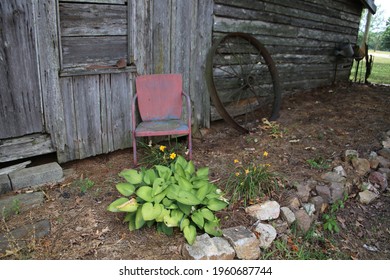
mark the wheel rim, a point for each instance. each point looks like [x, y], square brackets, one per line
[242, 79]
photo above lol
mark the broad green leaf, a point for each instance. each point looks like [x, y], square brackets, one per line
[161, 227]
[189, 234]
[190, 168]
[150, 211]
[179, 169]
[139, 220]
[130, 217]
[173, 191]
[216, 204]
[212, 228]
[113, 207]
[145, 193]
[164, 172]
[184, 184]
[198, 219]
[187, 198]
[132, 176]
[181, 164]
[164, 212]
[149, 177]
[203, 172]
[158, 186]
[186, 209]
[202, 192]
[128, 206]
[158, 198]
[167, 202]
[174, 218]
[125, 189]
[207, 214]
[184, 222]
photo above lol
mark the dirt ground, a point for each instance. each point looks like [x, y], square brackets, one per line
[321, 123]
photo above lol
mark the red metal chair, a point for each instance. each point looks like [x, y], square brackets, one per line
[160, 106]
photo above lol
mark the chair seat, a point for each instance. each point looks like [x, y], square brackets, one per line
[159, 128]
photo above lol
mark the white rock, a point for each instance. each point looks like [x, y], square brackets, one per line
[287, 215]
[366, 197]
[340, 171]
[309, 208]
[268, 210]
[267, 234]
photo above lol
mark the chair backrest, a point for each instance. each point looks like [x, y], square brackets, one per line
[159, 96]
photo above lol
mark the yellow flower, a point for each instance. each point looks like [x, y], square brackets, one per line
[265, 154]
[236, 161]
[237, 174]
[162, 148]
[172, 156]
[246, 171]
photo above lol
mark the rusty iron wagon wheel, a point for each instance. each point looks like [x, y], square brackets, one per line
[243, 81]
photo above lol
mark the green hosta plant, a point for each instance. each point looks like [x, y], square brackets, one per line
[170, 196]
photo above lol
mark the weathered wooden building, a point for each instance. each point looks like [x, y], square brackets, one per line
[68, 66]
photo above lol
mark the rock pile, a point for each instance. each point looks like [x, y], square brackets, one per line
[301, 206]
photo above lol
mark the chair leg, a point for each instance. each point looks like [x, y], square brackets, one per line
[135, 152]
[190, 145]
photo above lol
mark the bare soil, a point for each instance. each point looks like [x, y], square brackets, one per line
[321, 123]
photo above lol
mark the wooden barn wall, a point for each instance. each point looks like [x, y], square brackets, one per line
[20, 98]
[301, 35]
[96, 100]
[174, 36]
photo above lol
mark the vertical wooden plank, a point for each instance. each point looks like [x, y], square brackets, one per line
[121, 114]
[71, 147]
[180, 40]
[48, 57]
[201, 41]
[106, 112]
[161, 36]
[142, 36]
[20, 98]
[87, 112]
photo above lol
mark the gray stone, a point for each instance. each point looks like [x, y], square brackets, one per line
[5, 184]
[244, 242]
[385, 171]
[324, 192]
[303, 192]
[379, 179]
[268, 210]
[207, 248]
[333, 177]
[11, 205]
[386, 143]
[350, 154]
[336, 191]
[340, 171]
[267, 234]
[319, 204]
[287, 215]
[36, 176]
[385, 152]
[24, 236]
[383, 162]
[280, 226]
[362, 166]
[366, 197]
[303, 220]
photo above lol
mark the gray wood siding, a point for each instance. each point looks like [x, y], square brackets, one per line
[97, 113]
[93, 33]
[300, 35]
[174, 36]
[20, 96]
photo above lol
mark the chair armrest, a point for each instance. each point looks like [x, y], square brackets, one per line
[188, 107]
[133, 112]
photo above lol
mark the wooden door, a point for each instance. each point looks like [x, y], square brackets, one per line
[20, 97]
